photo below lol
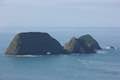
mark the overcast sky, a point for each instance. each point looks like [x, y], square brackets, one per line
[17, 14]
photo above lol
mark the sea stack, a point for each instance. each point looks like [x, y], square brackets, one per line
[34, 43]
[83, 44]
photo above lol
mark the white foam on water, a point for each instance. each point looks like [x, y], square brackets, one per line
[102, 52]
[48, 53]
[24, 55]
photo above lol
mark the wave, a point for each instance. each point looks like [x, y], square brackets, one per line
[101, 66]
[106, 50]
[25, 55]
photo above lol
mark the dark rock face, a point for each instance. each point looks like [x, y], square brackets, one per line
[34, 43]
[84, 44]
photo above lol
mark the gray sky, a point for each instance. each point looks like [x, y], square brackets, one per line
[23, 14]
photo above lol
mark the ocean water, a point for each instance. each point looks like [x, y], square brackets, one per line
[100, 66]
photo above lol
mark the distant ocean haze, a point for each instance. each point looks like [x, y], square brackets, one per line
[104, 35]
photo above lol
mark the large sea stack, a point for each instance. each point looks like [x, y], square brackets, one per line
[83, 44]
[34, 43]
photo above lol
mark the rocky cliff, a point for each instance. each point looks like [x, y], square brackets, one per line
[34, 43]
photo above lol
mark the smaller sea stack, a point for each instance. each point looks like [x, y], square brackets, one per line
[83, 44]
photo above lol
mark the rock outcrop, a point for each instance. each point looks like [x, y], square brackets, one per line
[34, 43]
[84, 44]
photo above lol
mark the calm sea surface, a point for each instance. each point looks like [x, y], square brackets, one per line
[100, 66]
